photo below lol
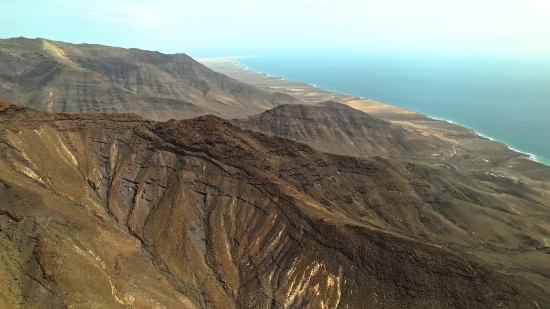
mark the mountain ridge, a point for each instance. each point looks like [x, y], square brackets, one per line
[337, 128]
[58, 76]
[217, 217]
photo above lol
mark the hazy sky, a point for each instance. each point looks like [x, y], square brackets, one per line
[237, 27]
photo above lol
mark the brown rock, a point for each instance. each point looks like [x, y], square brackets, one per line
[201, 214]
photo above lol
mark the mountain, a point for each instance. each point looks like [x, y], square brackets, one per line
[115, 211]
[337, 128]
[61, 77]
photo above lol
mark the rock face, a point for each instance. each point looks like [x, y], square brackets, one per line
[114, 211]
[337, 128]
[62, 77]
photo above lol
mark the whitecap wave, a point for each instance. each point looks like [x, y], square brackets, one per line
[485, 136]
[530, 155]
[440, 119]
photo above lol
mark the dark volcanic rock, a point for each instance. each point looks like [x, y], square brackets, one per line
[114, 211]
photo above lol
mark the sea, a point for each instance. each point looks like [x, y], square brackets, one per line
[505, 98]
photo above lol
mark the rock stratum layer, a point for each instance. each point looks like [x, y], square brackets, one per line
[337, 128]
[114, 211]
[61, 77]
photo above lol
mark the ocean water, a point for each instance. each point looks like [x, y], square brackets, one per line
[505, 98]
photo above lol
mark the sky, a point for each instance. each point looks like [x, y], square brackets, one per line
[204, 28]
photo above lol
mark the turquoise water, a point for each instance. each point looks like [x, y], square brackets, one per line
[503, 98]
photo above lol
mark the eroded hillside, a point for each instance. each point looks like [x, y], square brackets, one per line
[61, 77]
[114, 211]
[337, 128]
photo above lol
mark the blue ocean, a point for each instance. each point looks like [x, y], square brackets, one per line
[506, 98]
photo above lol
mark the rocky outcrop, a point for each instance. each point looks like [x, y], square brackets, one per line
[61, 77]
[116, 211]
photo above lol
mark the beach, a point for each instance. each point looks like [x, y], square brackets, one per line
[471, 153]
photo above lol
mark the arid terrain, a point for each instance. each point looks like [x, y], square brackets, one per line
[288, 196]
[337, 128]
[469, 153]
[115, 211]
[61, 77]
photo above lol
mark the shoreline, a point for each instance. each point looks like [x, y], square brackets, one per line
[508, 160]
[529, 155]
[237, 63]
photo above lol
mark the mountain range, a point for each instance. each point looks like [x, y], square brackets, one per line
[135, 179]
[62, 77]
[116, 211]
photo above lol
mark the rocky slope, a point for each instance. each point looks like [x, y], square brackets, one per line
[114, 211]
[337, 128]
[62, 77]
